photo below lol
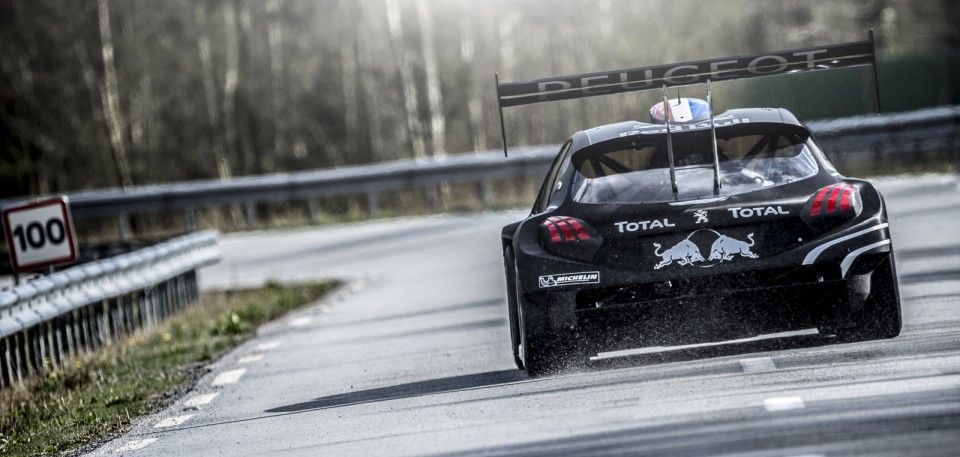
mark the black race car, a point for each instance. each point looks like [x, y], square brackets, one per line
[694, 227]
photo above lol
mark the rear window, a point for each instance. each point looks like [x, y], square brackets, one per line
[636, 169]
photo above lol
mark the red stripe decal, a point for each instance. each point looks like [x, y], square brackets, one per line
[832, 204]
[578, 227]
[566, 231]
[818, 202]
[845, 200]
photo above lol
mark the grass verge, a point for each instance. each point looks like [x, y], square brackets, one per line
[102, 393]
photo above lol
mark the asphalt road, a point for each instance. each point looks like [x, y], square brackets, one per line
[412, 359]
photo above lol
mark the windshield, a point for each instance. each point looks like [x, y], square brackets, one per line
[636, 169]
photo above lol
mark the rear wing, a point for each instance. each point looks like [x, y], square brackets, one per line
[686, 73]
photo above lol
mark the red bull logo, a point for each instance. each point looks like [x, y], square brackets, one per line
[687, 252]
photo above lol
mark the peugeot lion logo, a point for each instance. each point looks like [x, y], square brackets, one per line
[686, 252]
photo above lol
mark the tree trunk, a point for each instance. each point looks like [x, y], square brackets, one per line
[414, 126]
[473, 87]
[348, 65]
[110, 97]
[89, 76]
[372, 55]
[275, 42]
[210, 92]
[231, 79]
[434, 93]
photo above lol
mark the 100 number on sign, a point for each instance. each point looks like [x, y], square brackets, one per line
[39, 234]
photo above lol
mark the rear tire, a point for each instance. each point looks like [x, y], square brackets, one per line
[538, 348]
[880, 316]
[509, 269]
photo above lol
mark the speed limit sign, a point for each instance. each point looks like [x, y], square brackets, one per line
[40, 234]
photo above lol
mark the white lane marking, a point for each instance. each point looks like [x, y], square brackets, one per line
[301, 321]
[199, 400]
[134, 445]
[267, 346]
[782, 403]
[656, 349]
[228, 377]
[903, 386]
[173, 421]
[249, 359]
[758, 365]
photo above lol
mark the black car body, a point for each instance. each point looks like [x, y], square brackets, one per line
[650, 234]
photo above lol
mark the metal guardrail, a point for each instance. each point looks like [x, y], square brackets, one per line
[49, 319]
[889, 133]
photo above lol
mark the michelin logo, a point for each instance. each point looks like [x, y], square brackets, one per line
[566, 279]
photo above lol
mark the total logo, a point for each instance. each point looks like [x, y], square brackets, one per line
[626, 226]
[566, 279]
[723, 248]
[744, 213]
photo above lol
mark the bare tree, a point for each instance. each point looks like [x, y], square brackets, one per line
[275, 41]
[473, 87]
[210, 91]
[231, 80]
[434, 93]
[111, 98]
[348, 66]
[405, 64]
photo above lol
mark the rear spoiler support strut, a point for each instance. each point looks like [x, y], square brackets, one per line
[503, 129]
[668, 114]
[713, 142]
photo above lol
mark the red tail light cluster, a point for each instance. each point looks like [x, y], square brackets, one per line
[563, 228]
[569, 237]
[832, 206]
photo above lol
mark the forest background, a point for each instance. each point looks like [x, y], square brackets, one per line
[109, 93]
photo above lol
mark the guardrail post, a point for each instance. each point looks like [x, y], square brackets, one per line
[86, 321]
[115, 329]
[103, 323]
[7, 362]
[250, 212]
[18, 357]
[123, 221]
[188, 218]
[486, 192]
[431, 199]
[31, 351]
[72, 336]
[313, 211]
[372, 204]
[53, 351]
[129, 325]
[57, 327]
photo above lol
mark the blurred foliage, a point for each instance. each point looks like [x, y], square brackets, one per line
[103, 93]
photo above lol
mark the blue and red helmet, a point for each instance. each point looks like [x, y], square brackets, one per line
[680, 110]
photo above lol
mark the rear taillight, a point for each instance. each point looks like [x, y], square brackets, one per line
[832, 206]
[569, 237]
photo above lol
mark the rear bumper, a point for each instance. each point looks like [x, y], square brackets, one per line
[716, 317]
[713, 308]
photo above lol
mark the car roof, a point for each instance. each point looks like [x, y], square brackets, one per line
[617, 130]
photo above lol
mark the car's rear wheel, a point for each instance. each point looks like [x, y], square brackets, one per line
[880, 316]
[538, 348]
[509, 269]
